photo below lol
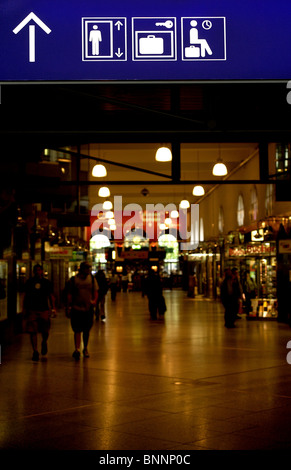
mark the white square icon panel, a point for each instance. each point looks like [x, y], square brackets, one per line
[203, 38]
[154, 39]
[104, 39]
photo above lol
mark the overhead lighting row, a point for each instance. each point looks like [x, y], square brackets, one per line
[163, 154]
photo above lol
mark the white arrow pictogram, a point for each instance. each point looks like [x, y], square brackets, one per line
[40, 23]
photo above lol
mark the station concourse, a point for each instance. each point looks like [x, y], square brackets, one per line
[182, 382]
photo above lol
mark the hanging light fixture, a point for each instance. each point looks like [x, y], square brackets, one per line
[163, 154]
[198, 190]
[104, 192]
[219, 168]
[168, 221]
[107, 205]
[184, 204]
[99, 171]
[109, 215]
[174, 214]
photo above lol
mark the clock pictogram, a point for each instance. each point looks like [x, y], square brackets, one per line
[207, 24]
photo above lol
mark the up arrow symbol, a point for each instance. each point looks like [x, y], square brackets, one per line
[40, 23]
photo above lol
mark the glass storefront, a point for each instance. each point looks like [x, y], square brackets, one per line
[257, 262]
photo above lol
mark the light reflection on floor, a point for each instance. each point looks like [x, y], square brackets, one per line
[181, 382]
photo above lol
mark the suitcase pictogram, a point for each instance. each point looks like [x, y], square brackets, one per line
[151, 45]
[192, 51]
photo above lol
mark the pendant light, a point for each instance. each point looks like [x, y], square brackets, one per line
[107, 205]
[174, 214]
[99, 171]
[198, 191]
[163, 154]
[219, 168]
[104, 192]
[184, 204]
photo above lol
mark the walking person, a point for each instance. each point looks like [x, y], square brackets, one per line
[82, 297]
[249, 289]
[38, 304]
[238, 294]
[226, 295]
[102, 291]
[154, 292]
[113, 285]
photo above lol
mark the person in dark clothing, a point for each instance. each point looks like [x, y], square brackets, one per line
[38, 303]
[228, 300]
[237, 292]
[113, 285]
[154, 292]
[102, 291]
[249, 288]
[82, 298]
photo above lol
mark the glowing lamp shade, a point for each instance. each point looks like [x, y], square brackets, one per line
[107, 205]
[219, 169]
[184, 204]
[168, 221]
[174, 214]
[99, 171]
[198, 190]
[109, 215]
[104, 192]
[163, 154]
[111, 222]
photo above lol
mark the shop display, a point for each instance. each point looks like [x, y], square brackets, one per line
[258, 259]
[263, 308]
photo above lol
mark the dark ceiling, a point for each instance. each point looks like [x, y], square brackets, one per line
[44, 115]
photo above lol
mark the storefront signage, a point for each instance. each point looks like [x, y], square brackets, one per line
[134, 254]
[255, 249]
[57, 252]
[69, 40]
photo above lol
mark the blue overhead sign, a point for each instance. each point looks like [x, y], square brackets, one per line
[157, 40]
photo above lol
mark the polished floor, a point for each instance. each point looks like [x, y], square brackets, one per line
[181, 383]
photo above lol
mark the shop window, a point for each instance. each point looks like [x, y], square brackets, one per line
[240, 211]
[171, 246]
[220, 220]
[269, 200]
[283, 160]
[254, 205]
